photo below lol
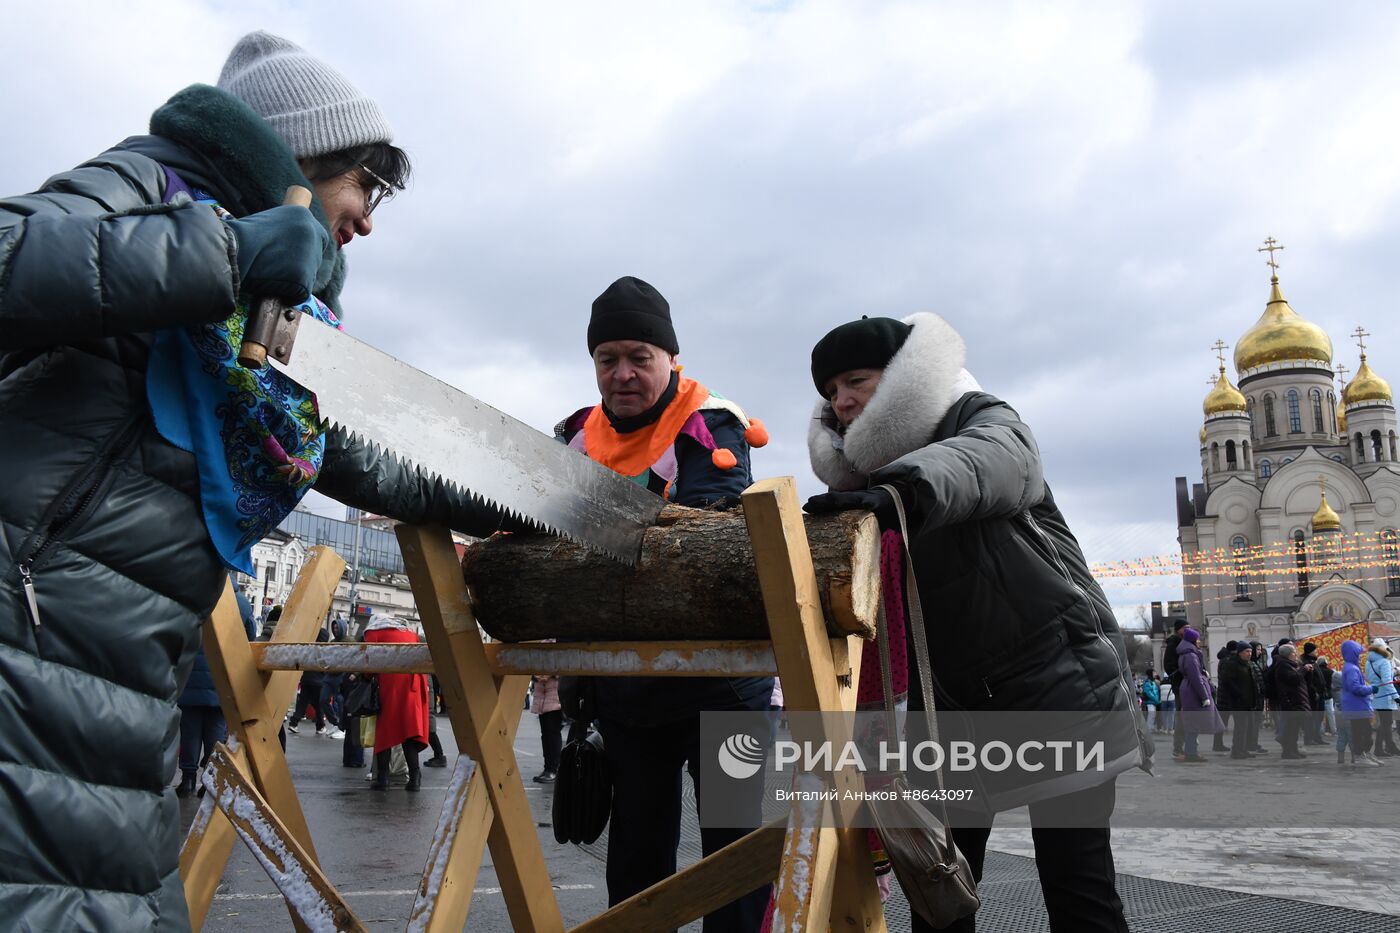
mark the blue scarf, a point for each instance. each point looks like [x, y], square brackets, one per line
[256, 435]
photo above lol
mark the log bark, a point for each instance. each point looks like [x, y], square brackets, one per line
[695, 580]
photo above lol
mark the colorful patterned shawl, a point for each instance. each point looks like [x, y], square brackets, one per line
[256, 435]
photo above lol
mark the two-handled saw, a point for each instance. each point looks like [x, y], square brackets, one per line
[446, 433]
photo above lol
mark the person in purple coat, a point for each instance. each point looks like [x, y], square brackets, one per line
[1356, 705]
[1195, 704]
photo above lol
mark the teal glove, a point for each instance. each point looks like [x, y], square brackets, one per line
[279, 252]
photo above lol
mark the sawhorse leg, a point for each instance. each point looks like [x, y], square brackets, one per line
[253, 702]
[828, 877]
[482, 724]
[313, 900]
[459, 842]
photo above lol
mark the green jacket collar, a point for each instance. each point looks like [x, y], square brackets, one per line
[250, 158]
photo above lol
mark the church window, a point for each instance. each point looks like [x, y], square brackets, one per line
[1295, 417]
[1214, 457]
[1319, 426]
[1253, 428]
[1360, 448]
[1240, 547]
[1270, 428]
[1266, 469]
[1230, 462]
[1376, 447]
[1300, 558]
[1390, 547]
[1332, 410]
[1247, 462]
[1338, 458]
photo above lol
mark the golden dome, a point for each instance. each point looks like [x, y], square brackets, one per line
[1325, 519]
[1280, 334]
[1367, 386]
[1224, 397]
[1341, 418]
[1203, 435]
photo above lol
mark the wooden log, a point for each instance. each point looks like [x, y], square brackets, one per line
[695, 580]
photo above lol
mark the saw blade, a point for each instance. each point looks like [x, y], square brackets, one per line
[447, 434]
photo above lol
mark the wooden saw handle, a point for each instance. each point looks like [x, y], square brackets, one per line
[253, 353]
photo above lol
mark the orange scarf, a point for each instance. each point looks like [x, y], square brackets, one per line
[633, 453]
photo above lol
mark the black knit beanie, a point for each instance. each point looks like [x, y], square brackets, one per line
[869, 343]
[631, 309]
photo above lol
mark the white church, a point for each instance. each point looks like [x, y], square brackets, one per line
[1293, 529]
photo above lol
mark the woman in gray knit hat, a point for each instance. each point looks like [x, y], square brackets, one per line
[141, 462]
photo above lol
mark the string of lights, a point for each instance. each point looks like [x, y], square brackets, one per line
[1278, 586]
[1374, 550]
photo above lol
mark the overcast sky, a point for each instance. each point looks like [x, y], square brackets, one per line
[1078, 188]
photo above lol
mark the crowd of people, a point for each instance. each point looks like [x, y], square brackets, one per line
[1302, 698]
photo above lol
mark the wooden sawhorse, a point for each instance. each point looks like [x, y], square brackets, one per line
[823, 870]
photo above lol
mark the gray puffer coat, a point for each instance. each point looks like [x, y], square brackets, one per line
[100, 520]
[1014, 620]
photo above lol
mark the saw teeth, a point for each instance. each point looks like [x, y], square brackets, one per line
[340, 388]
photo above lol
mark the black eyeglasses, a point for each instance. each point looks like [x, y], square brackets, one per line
[377, 192]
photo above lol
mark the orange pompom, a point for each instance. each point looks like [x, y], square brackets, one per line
[757, 434]
[723, 459]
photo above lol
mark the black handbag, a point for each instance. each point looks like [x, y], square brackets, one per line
[363, 698]
[583, 787]
[935, 876]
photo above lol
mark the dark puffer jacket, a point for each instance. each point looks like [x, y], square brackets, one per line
[1237, 684]
[1014, 619]
[101, 517]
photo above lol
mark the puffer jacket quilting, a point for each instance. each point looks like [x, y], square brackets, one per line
[105, 516]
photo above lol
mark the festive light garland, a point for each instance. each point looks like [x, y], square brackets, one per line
[1377, 549]
[1201, 601]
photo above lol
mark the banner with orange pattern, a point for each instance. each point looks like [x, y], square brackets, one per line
[1329, 643]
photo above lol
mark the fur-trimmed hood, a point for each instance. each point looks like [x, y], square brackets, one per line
[917, 388]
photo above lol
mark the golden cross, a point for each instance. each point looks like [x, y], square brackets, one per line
[1322, 484]
[1360, 334]
[1220, 347]
[1270, 246]
[1341, 372]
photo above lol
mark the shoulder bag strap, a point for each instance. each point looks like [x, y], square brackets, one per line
[915, 621]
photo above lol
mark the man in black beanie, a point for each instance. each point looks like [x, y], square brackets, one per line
[684, 442]
[631, 309]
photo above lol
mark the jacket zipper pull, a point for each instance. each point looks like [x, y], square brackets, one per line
[27, 581]
[986, 686]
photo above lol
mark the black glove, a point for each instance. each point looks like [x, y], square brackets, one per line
[872, 500]
[279, 252]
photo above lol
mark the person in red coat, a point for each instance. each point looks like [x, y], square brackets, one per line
[403, 706]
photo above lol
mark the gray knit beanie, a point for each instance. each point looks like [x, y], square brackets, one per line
[310, 104]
